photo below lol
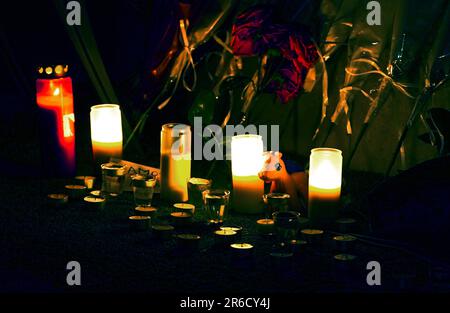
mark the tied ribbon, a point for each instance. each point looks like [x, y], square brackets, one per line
[186, 61]
[399, 86]
[343, 105]
[324, 87]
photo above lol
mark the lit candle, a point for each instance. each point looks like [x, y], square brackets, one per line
[76, 191]
[325, 177]
[106, 132]
[242, 250]
[88, 181]
[246, 163]
[57, 200]
[54, 97]
[184, 207]
[344, 243]
[224, 236]
[312, 236]
[175, 162]
[94, 203]
[265, 226]
[146, 211]
[139, 223]
[181, 218]
[237, 229]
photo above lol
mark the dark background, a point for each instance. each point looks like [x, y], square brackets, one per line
[131, 36]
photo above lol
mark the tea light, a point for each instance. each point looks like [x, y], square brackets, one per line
[88, 181]
[94, 202]
[76, 191]
[162, 231]
[139, 223]
[188, 241]
[146, 211]
[346, 225]
[96, 193]
[242, 248]
[181, 218]
[344, 243]
[312, 236]
[57, 199]
[184, 207]
[237, 229]
[223, 236]
[265, 226]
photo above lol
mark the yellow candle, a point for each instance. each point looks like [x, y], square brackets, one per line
[325, 178]
[106, 132]
[175, 162]
[246, 162]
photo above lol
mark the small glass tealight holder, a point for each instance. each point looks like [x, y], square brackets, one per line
[287, 225]
[113, 178]
[143, 188]
[196, 186]
[276, 202]
[216, 205]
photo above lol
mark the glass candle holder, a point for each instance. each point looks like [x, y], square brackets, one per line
[287, 225]
[113, 178]
[324, 190]
[216, 203]
[143, 188]
[175, 162]
[106, 132]
[246, 162]
[54, 98]
[196, 186]
[276, 202]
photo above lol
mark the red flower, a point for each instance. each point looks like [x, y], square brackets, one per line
[299, 55]
[247, 31]
[254, 33]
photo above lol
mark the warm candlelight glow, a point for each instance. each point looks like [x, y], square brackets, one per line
[325, 178]
[106, 132]
[175, 162]
[54, 97]
[246, 162]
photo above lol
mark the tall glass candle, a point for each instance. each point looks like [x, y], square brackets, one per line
[54, 98]
[246, 162]
[325, 178]
[106, 132]
[175, 162]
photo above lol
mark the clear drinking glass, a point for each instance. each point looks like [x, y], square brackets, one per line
[276, 202]
[216, 203]
[113, 177]
[287, 225]
[196, 186]
[143, 188]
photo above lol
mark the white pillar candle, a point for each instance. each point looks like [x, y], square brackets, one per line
[106, 132]
[246, 162]
[325, 178]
